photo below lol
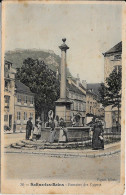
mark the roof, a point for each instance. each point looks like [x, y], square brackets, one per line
[94, 87]
[21, 88]
[116, 48]
[80, 85]
[7, 62]
[75, 89]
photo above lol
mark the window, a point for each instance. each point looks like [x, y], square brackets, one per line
[32, 100]
[5, 117]
[69, 95]
[90, 109]
[79, 106]
[67, 107]
[84, 107]
[72, 106]
[76, 105]
[25, 99]
[117, 57]
[18, 115]
[31, 115]
[25, 115]
[19, 98]
[6, 84]
[117, 68]
[7, 98]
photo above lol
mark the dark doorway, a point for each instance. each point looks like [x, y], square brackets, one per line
[83, 121]
[10, 121]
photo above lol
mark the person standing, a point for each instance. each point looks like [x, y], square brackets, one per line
[56, 121]
[52, 130]
[35, 132]
[39, 129]
[97, 140]
[63, 132]
[28, 128]
[14, 127]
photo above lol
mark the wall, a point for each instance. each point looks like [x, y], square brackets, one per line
[110, 62]
[23, 107]
[78, 105]
[9, 91]
[92, 106]
[73, 134]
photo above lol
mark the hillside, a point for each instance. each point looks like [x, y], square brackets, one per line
[49, 57]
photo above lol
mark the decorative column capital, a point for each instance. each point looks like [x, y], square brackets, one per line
[64, 47]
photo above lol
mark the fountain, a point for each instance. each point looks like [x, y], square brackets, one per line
[63, 108]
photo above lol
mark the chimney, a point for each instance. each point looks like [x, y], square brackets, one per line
[84, 83]
[77, 80]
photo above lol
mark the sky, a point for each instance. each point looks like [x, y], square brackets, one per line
[90, 30]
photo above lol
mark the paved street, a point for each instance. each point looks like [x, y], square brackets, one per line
[11, 138]
[37, 166]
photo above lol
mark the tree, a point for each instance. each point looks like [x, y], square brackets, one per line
[42, 82]
[110, 92]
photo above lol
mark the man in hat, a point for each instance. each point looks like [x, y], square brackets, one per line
[28, 128]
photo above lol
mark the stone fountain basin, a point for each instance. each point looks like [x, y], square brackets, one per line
[73, 133]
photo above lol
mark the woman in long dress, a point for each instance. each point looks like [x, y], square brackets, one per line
[63, 133]
[97, 140]
[36, 131]
[52, 131]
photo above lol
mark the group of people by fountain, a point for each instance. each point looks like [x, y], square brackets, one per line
[96, 129]
[35, 131]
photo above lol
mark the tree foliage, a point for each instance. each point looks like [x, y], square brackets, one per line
[42, 82]
[110, 92]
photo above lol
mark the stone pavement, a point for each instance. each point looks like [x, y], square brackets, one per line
[110, 149]
[17, 132]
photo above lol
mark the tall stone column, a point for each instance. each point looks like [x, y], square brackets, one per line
[63, 103]
[63, 48]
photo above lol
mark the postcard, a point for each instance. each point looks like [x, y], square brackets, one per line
[63, 97]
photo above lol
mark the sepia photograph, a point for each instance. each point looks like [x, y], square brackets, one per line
[62, 127]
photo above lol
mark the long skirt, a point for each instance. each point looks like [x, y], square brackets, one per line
[62, 137]
[52, 136]
[28, 133]
[97, 143]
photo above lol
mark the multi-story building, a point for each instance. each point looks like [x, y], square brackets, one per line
[76, 92]
[84, 98]
[112, 59]
[23, 105]
[19, 101]
[9, 92]
[93, 107]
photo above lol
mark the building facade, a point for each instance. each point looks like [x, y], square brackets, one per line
[112, 59]
[23, 105]
[76, 93]
[18, 101]
[9, 93]
[93, 107]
